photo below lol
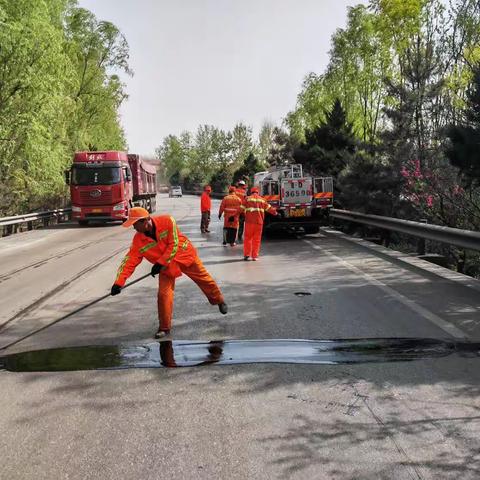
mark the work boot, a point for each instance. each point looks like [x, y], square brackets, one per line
[162, 333]
[224, 244]
[254, 259]
[223, 308]
[246, 257]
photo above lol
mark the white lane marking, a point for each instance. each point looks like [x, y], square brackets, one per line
[427, 314]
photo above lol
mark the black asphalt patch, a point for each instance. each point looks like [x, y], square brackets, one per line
[173, 354]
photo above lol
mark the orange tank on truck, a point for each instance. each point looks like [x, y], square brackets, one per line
[105, 185]
[301, 200]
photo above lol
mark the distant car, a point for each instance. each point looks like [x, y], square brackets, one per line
[175, 192]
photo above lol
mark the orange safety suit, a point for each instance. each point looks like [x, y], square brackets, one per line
[230, 208]
[205, 206]
[174, 250]
[205, 202]
[254, 207]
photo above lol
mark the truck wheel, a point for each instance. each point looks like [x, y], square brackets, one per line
[83, 223]
[312, 229]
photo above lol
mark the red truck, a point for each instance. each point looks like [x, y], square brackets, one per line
[105, 185]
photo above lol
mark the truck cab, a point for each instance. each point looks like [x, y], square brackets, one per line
[103, 186]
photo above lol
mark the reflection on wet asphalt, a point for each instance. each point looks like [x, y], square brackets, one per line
[171, 354]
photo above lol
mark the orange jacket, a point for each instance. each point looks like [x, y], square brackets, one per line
[255, 207]
[170, 248]
[205, 202]
[230, 207]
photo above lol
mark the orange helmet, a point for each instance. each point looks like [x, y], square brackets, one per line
[208, 188]
[232, 189]
[135, 213]
[254, 190]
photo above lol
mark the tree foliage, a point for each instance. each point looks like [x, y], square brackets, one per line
[210, 156]
[328, 148]
[59, 92]
[464, 151]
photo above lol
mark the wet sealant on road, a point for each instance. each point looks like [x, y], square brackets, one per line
[173, 354]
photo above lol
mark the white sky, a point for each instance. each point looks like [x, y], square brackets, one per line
[216, 61]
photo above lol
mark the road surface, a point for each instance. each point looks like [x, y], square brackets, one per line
[399, 420]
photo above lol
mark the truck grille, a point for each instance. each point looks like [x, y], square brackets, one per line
[105, 198]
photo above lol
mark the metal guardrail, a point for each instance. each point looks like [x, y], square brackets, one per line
[9, 225]
[452, 236]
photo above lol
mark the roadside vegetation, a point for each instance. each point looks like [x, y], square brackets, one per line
[59, 93]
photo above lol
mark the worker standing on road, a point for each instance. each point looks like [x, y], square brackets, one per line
[241, 193]
[254, 207]
[230, 207]
[159, 240]
[205, 207]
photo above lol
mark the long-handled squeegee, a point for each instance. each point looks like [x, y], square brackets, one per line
[70, 314]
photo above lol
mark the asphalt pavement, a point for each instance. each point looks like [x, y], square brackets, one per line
[397, 420]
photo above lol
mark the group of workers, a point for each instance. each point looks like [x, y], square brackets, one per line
[242, 213]
[159, 240]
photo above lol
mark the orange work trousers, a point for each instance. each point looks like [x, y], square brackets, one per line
[252, 240]
[166, 288]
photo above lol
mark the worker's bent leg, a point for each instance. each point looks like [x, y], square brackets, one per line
[247, 241]
[198, 273]
[166, 288]
[256, 240]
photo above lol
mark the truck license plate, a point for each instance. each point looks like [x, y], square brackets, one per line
[97, 210]
[298, 212]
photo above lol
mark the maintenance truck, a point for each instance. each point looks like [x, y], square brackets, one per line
[105, 185]
[301, 200]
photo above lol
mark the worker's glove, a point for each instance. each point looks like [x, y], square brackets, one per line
[157, 268]
[219, 216]
[116, 289]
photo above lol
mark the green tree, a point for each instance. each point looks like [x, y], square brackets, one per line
[97, 50]
[250, 166]
[463, 151]
[282, 147]
[329, 147]
[39, 108]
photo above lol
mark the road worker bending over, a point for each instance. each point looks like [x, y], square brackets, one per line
[230, 207]
[205, 207]
[241, 193]
[159, 240]
[254, 207]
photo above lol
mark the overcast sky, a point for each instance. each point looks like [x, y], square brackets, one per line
[216, 61]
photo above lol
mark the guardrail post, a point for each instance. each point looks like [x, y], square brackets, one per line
[421, 243]
[30, 225]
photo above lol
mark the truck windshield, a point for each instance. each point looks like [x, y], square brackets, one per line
[96, 176]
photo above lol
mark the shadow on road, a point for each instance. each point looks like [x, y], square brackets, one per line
[263, 305]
